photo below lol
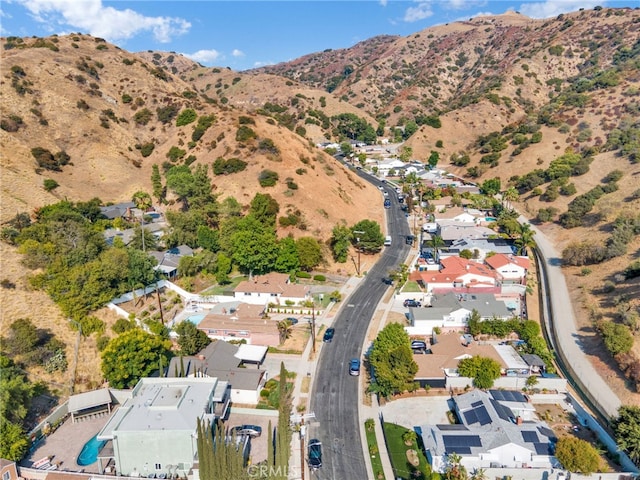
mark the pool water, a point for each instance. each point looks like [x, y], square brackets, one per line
[196, 319]
[89, 453]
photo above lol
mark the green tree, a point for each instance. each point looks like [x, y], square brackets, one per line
[391, 359]
[369, 238]
[626, 428]
[254, 247]
[133, 355]
[13, 441]
[577, 455]
[435, 243]
[156, 183]
[190, 339]
[284, 330]
[491, 186]
[525, 238]
[309, 253]
[483, 370]
[223, 269]
[264, 208]
[340, 241]
[142, 200]
[288, 260]
[434, 158]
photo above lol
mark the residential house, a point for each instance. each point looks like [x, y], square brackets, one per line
[155, 431]
[512, 269]
[118, 210]
[275, 288]
[456, 272]
[451, 312]
[446, 351]
[169, 260]
[127, 235]
[497, 429]
[8, 470]
[247, 322]
[450, 232]
[481, 247]
[228, 363]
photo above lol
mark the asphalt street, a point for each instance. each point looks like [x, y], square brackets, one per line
[334, 396]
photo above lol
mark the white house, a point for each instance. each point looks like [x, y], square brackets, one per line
[273, 288]
[512, 269]
[492, 433]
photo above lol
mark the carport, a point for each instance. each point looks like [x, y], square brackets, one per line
[89, 404]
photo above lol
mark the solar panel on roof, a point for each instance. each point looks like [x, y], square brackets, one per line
[542, 448]
[455, 426]
[507, 396]
[470, 417]
[459, 450]
[476, 404]
[461, 441]
[531, 437]
[483, 415]
[503, 412]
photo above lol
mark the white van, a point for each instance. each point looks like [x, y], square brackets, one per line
[387, 241]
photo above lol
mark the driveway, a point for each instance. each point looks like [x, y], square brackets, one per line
[417, 411]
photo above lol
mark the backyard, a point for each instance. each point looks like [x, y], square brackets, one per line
[407, 457]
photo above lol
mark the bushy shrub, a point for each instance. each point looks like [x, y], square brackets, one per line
[303, 275]
[320, 278]
[142, 117]
[225, 167]
[187, 116]
[268, 178]
[146, 149]
[50, 184]
[245, 133]
[175, 153]
[166, 114]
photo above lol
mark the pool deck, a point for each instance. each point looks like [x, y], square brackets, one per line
[66, 443]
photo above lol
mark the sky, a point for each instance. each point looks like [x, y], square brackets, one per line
[243, 34]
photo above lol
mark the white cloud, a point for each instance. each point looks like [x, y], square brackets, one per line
[237, 53]
[383, 3]
[551, 8]
[420, 12]
[204, 56]
[107, 22]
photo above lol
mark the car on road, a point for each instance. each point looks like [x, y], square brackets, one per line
[387, 203]
[410, 239]
[354, 367]
[328, 335]
[248, 430]
[410, 302]
[380, 187]
[292, 320]
[315, 454]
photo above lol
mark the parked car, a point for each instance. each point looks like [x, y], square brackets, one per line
[410, 302]
[410, 239]
[248, 430]
[315, 454]
[354, 367]
[292, 320]
[328, 335]
[380, 187]
[418, 345]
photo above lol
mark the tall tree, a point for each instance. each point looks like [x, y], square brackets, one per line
[340, 241]
[309, 253]
[156, 183]
[367, 236]
[190, 339]
[392, 361]
[133, 355]
[288, 260]
[626, 428]
[525, 238]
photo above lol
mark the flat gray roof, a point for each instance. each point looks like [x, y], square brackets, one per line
[94, 398]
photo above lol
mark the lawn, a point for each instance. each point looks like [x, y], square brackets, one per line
[374, 450]
[221, 289]
[397, 449]
[411, 287]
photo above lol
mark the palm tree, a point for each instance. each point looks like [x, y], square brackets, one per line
[525, 238]
[478, 474]
[436, 243]
[143, 202]
[284, 329]
[510, 195]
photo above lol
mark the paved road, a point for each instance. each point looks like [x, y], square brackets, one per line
[334, 398]
[567, 339]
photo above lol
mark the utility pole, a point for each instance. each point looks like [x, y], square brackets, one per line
[298, 420]
[313, 324]
[359, 232]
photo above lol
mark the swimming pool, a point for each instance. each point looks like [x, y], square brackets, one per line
[89, 453]
[196, 319]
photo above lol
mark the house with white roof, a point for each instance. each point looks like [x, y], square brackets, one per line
[496, 429]
[155, 430]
